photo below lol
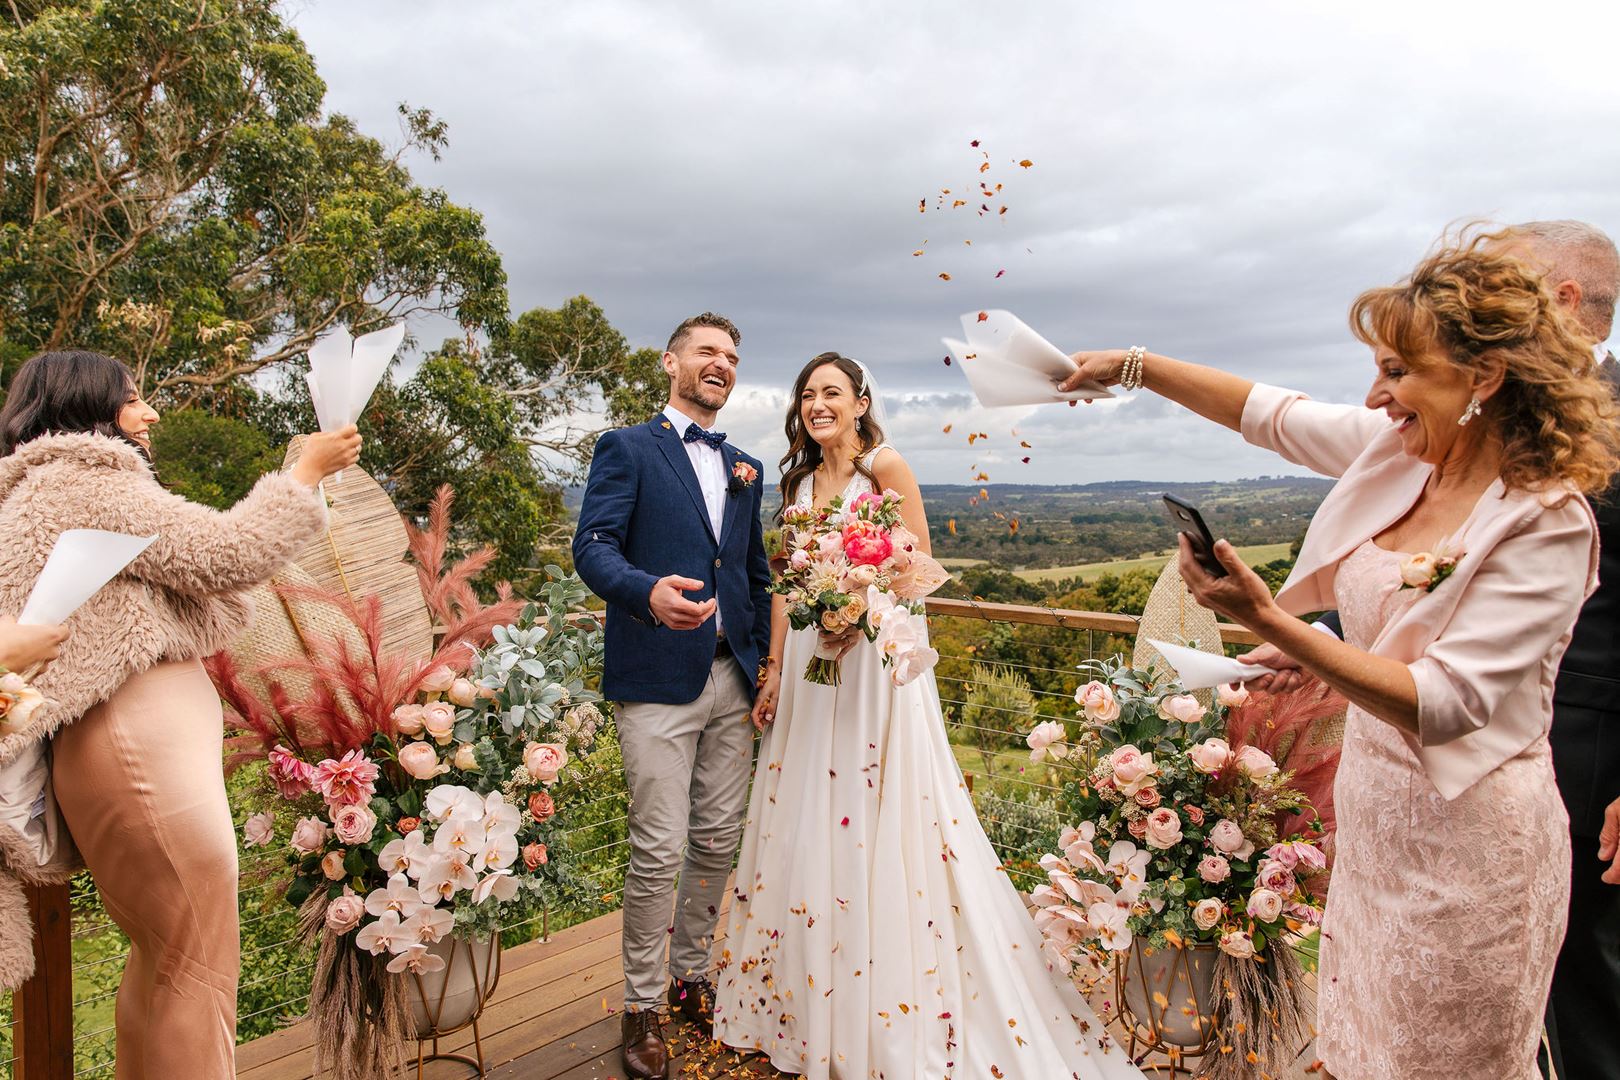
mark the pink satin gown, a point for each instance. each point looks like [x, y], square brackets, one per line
[139, 781]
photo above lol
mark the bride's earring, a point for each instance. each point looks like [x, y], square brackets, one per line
[1469, 413]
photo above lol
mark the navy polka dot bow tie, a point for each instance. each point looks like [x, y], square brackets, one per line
[716, 439]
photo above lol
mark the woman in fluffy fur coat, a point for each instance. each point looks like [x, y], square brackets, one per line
[134, 726]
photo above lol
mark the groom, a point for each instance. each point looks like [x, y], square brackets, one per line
[669, 535]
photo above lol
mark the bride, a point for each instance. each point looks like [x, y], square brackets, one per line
[872, 932]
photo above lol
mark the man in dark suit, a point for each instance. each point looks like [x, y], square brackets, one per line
[1583, 1015]
[669, 535]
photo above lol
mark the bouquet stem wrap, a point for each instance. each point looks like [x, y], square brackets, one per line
[824, 669]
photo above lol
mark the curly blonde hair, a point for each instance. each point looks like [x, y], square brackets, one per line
[1472, 304]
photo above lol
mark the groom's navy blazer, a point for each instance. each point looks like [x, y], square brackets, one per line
[643, 519]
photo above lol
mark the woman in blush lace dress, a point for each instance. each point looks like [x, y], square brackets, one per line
[1458, 550]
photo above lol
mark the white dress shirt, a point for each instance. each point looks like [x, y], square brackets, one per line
[710, 466]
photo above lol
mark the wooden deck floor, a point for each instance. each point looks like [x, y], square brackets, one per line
[555, 1016]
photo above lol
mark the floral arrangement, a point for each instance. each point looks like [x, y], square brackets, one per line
[441, 823]
[416, 800]
[858, 567]
[1192, 824]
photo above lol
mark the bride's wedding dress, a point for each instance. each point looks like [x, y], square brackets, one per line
[872, 933]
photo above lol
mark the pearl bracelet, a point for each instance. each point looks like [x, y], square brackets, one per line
[1130, 375]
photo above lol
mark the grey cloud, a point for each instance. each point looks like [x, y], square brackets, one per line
[1214, 181]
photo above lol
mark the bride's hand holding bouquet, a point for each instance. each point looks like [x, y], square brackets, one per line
[857, 570]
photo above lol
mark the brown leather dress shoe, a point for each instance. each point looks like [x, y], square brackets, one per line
[693, 1000]
[645, 1055]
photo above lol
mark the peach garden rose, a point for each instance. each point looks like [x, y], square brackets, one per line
[1098, 701]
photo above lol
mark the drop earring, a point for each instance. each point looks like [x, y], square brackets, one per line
[1469, 413]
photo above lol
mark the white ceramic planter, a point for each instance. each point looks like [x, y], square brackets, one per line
[449, 999]
[1169, 994]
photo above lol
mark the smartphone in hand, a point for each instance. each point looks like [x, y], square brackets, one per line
[1187, 520]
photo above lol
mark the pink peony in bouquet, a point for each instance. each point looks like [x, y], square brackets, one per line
[858, 567]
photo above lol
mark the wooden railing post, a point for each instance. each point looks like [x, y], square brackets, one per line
[42, 1009]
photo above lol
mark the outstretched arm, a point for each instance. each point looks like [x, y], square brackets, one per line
[1210, 392]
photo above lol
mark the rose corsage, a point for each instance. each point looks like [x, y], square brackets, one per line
[18, 701]
[1426, 570]
[742, 475]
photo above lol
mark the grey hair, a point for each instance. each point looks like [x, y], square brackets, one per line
[1584, 254]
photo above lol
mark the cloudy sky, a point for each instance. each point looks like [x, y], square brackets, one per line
[1213, 181]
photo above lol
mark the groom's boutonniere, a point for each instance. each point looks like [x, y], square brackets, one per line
[1426, 570]
[742, 475]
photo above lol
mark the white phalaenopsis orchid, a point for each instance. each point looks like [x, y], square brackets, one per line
[430, 924]
[1126, 862]
[384, 935]
[405, 856]
[451, 800]
[416, 958]
[501, 816]
[398, 895]
[497, 883]
[444, 876]
[499, 851]
[463, 835]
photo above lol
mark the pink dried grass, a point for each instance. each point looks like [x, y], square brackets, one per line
[354, 683]
[1281, 725]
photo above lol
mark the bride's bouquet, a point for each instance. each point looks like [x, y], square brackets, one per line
[858, 567]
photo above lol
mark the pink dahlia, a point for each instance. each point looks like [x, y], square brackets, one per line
[348, 781]
[291, 774]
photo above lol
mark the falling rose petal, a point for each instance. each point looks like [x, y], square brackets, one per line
[951, 525]
[1000, 272]
[974, 144]
[948, 364]
[1026, 163]
[919, 251]
[922, 206]
[845, 823]
[1012, 526]
[944, 277]
[1026, 461]
[983, 476]
[1003, 211]
[958, 202]
[969, 243]
[984, 316]
[1025, 445]
[983, 494]
[948, 427]
[985, 167]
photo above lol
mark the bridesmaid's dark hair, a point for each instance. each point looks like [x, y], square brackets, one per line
[804, 453]
[64, 392]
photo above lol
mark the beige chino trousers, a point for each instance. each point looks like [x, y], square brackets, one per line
[687, 769]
